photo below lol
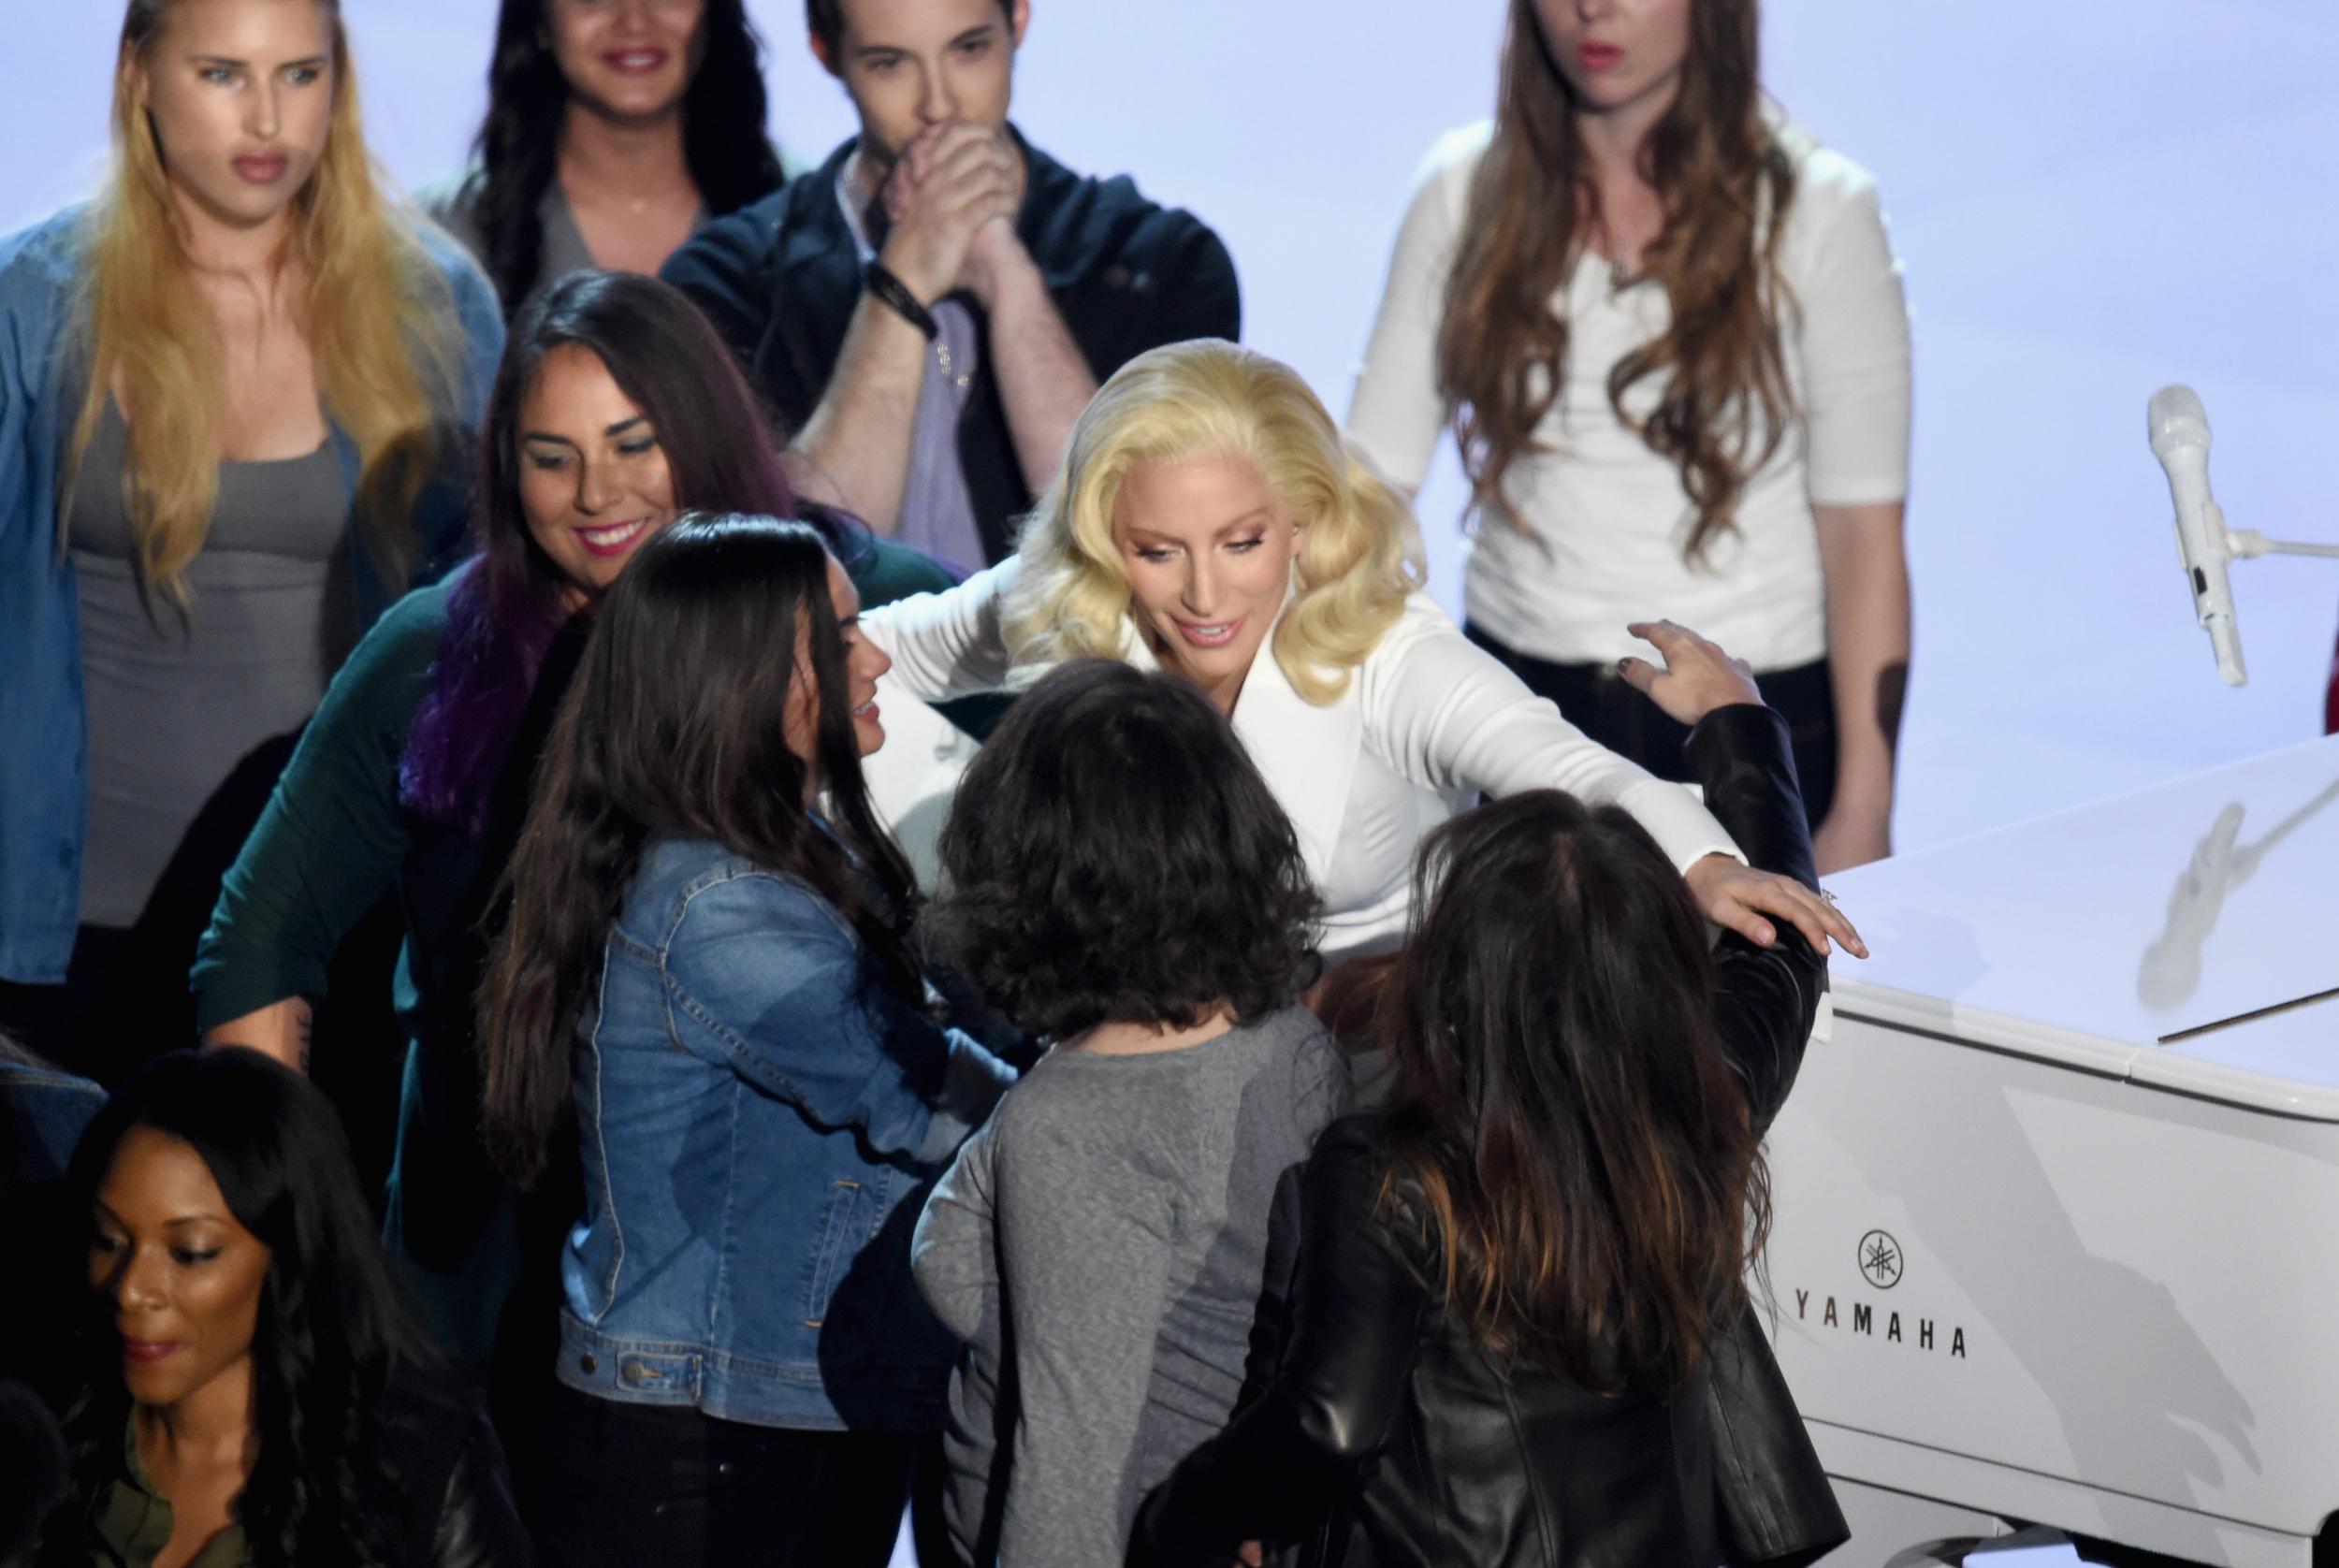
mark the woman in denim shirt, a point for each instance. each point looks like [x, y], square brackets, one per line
[708, 969]
[235, 393]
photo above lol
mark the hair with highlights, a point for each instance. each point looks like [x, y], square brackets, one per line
[1563, 1126]
[502, 614]
[1719, 164]
[379, 318]
[1359, 556]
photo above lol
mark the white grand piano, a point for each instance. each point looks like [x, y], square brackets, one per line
[2057, 1202]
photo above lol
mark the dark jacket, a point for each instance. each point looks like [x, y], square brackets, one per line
[780, 278]
[430, 1479]
[1387, 1437]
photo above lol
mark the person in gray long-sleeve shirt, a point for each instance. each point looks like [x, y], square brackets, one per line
[1120, 878]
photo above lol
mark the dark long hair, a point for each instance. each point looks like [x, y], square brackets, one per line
[1113, 853]
[677, 724]
[1725, 183]
[1580, 1150]
[731, 157]
[502, 615]
[332, 1326]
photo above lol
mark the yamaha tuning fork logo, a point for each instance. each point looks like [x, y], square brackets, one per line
[1880, 1260]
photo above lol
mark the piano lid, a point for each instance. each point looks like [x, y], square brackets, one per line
[2184, 935]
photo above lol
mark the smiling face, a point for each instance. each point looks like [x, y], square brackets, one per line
[628, 60]
[239, 93]
[910, 63]
[865, 662]
[1618, 55]
[1208, 549]
[594, 481]
[182, 1277]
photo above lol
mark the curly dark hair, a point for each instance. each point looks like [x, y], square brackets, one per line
[732, 159]
[1113, 855]
[332, 1326]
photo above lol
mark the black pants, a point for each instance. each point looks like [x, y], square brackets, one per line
[639, 1486]
[1595, 699]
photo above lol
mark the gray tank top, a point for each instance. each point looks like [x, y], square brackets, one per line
[177, 699]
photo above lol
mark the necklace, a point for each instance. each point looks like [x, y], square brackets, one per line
[950, 370]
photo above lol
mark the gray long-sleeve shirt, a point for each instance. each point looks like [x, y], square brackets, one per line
[1113, 1210]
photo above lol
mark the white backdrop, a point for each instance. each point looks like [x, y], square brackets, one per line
[2092, 198]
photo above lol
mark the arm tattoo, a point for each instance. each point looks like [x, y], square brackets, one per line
[1892, 690]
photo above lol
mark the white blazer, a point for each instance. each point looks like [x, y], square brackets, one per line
[912, 776]
[1428, 722]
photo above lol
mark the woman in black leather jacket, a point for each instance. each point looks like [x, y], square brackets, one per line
[1508, 1298]
[254, 1393]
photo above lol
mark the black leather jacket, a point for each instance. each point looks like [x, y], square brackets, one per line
[1387, 1437]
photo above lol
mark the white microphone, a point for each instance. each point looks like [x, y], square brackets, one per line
[2180, 438]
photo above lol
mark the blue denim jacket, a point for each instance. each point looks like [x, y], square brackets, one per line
[760, 1120]
[44, 765]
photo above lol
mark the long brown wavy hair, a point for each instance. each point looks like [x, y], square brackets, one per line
[1569, 1143]
[1725, 180]
[677, 724]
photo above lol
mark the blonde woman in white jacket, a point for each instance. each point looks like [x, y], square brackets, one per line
[1208, 512]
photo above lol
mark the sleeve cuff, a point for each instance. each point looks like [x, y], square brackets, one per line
[1682, 827]
[972, 1084]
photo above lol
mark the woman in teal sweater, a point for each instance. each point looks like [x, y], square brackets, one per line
[616, 408]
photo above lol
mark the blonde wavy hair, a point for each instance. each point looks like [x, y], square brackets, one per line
[1359, 556]
[379, 318]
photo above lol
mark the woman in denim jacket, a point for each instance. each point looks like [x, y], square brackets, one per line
[708, 968]
[235, 398]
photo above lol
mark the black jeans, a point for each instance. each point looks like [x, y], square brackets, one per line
[643, 1486]
[1595, 699]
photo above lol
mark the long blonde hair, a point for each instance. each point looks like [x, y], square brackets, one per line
[1360, 554]
[379, 317]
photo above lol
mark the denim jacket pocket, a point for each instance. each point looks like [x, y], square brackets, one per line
[853, 1202]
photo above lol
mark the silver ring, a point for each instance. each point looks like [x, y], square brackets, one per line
[1829, 896]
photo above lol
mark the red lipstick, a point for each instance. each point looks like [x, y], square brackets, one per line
[1599, 57]
[634, 62]
[147, 1351]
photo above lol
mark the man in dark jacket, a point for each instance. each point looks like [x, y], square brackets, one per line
[931, 309]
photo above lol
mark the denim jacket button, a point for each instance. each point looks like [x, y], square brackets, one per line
[589, 1363]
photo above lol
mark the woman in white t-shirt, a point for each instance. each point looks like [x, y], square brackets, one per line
[1683, 394]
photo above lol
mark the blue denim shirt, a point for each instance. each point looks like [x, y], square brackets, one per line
[760, 1119]
[44, 762]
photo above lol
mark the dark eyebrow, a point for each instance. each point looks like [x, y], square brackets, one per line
[624, 425]
[246, 65]
[982, 31]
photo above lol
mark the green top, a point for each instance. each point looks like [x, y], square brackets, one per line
[131, 1522]
[334, 837]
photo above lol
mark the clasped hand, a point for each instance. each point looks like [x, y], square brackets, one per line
[951, 197]
[1695, 678]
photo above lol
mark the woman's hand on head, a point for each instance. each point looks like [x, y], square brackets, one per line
[1696, 677]
[1748, 901]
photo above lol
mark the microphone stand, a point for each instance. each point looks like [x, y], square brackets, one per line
[2248, 544]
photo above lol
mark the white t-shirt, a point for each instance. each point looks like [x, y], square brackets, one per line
[1609, 516]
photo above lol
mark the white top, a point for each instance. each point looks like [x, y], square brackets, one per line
[1610, 515]
[1427, 721]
